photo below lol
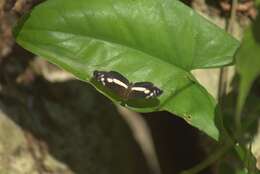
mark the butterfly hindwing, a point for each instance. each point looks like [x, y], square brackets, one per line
[143, 90]
[144, 84]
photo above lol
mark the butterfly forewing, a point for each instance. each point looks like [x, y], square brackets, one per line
[114, 81]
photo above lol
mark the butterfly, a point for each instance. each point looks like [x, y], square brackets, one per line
[117, 83]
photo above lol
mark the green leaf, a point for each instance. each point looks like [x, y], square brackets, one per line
[248, 61]
[257, 2]
[145, 40]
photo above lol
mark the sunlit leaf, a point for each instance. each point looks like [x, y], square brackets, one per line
[158, 41]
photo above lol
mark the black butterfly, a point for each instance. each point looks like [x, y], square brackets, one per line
[123, 88]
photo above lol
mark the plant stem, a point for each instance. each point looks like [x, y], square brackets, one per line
[222, 85]
[232, 18]
[237, 116]
[224, 71]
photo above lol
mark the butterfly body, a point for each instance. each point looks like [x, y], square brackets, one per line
[123, 88]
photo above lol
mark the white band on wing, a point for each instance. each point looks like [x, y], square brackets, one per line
[120, 83]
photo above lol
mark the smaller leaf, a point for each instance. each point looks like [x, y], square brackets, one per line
[257, 2]
[248, 61]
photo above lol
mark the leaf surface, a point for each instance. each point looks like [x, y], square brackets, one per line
[158, 41]
[248, 61]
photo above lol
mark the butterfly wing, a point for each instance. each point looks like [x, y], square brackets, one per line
[121, 86]
[143, 90]
[144, 84]
[112, 80]
[118, 76]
